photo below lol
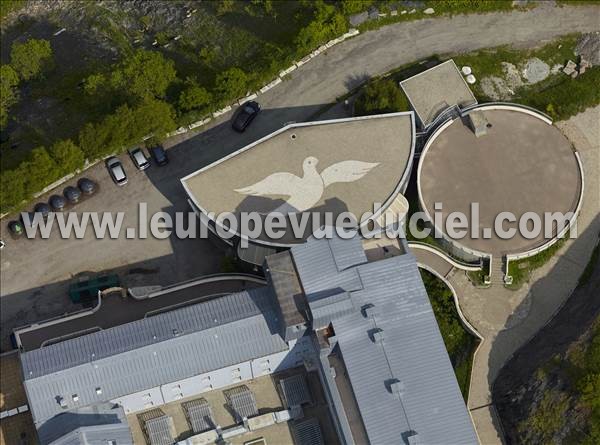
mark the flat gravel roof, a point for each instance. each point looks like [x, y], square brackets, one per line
[436, 89]
[521, 165]
[335, 166]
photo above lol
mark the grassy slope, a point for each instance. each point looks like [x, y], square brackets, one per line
[459, 343]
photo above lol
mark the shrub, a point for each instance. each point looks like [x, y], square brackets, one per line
[231, 84]
[355, 6]
[381, 96]
[194, 97]
[40, 170]
[67, 156]
[12, 189]
[31, 58]
[8, 92]
[327, 23]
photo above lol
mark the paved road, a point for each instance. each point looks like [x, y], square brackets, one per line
[34, 274]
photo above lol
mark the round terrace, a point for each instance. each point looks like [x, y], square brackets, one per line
[506, 158]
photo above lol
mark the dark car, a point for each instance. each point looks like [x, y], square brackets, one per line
[87, 186]
[72, 194]
[42, 208]
[57, 202]
[159, 155]
[116, 170]
[16, 229]
[244, 115]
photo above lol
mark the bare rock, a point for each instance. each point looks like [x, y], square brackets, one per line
[588, 48]
[536, 70]
[429, 11]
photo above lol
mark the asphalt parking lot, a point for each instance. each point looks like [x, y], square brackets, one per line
[35, 273]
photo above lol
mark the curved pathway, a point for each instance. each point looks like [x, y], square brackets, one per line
[505, 319]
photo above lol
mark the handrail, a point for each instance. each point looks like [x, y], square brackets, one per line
[508, 105]
[439, 252]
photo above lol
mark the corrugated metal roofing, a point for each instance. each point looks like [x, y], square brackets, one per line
[93, 425]
[410, 356]
[152, 352]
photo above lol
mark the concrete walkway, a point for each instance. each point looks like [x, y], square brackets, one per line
[508, 319]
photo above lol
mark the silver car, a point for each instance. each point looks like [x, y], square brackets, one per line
[139, 158]
[116, 170]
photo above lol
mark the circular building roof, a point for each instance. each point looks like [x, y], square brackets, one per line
[519, 163]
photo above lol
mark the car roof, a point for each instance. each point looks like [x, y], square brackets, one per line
[118, 172]
[140, 157]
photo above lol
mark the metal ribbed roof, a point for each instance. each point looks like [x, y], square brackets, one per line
[93, 425]
[394, 354]
[152, 352]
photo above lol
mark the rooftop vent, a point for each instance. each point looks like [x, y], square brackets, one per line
[376, 335]
[413, 438]
[368, 310]
[98, 390]
[395, 386]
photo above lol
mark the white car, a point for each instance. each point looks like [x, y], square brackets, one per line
[139, 158]
[116, 170]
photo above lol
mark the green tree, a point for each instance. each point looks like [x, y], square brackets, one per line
[67, 156]
[381, 96]
[225, 6]
[232, 83]
[125, 127]
[145, 74]
[327, 23]
[8, 91]
[194, 97]
[41, 170]
[31, 58]
[12, 189]
[93, 84]
[355, 6]
[153, 117]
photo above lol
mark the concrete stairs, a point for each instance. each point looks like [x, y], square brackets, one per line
[497, 272]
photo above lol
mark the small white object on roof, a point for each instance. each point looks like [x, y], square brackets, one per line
[471, 79]
[429, 11]
[466, 70]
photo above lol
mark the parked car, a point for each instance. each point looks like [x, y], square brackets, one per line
[245, 115]
[116, 170]
[139, 158]
[72, 194]
[159, 155]
[87, 186]
[16, 229]
[42, 208]
[57, 203]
